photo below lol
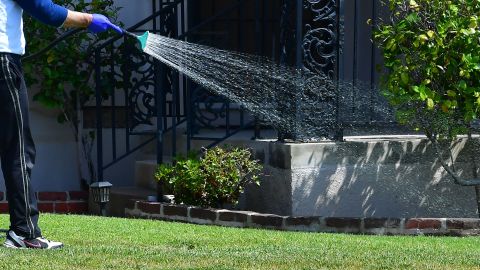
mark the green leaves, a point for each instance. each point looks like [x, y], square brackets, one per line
[405, 78]
[431, 52]
[473, 22]
[451, 93]
[412, 18]
[215, 179]
[430, 104]
[454, 8]
[63, 72]
[430, 33]
[413, 4]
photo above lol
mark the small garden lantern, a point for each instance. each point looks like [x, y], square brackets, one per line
[101, 194]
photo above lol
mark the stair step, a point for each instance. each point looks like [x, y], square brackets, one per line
[199, 140]
[120, 197]
[145, 173]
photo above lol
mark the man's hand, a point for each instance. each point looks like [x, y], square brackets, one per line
[96, 23]
[101, 23]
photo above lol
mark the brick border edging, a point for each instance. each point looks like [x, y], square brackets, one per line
[245, 219]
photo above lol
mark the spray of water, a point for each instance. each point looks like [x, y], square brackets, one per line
[295, 102]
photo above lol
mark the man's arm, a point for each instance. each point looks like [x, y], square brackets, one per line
[52, 14]
[78, 19]
[45, 11]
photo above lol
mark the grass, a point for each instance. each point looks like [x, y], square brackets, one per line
[112, 243]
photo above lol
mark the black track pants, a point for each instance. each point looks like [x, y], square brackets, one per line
[17, 150]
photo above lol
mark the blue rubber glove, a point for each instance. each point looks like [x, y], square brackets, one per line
[101, 23]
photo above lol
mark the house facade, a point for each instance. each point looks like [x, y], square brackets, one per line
[160, 113]
[334, 38]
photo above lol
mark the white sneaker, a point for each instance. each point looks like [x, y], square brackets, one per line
[15, 241]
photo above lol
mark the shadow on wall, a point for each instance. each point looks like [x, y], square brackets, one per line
[399, 177]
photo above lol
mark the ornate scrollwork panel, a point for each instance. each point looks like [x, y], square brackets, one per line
[320, 39]
[168, 24]
[140, 97]
[143, 82]
[320, 47]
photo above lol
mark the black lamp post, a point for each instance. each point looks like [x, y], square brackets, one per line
[101, 194]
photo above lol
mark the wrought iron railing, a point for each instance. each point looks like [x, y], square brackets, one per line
[153, 99]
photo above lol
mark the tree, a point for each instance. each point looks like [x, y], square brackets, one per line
[432, 60]
[63, 74]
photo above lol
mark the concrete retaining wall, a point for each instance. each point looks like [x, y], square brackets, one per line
[362, 177]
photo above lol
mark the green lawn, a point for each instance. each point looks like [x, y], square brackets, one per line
[110, 243]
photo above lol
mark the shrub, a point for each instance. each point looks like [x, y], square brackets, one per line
[215, 179]
[430, 48]
[431, 53]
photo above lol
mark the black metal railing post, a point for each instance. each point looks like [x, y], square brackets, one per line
[355, 55]
[159, 106]
[175, 88]
[258, 49]
[285, 50]
[126, 86]
[338, 136]
[113, 102]
[299, 35]
[373, 63]
[189, 115]
[99, 116]
[298, 64]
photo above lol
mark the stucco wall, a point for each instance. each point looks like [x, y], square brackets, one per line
[55, 168]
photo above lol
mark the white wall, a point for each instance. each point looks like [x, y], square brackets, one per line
[55, 168]
[133, 11]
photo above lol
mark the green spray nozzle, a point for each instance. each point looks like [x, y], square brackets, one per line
[141, 39]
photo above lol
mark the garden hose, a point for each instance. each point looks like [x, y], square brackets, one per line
[141, 39]
[52, 44]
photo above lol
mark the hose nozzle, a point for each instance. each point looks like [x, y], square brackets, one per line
[141, 39]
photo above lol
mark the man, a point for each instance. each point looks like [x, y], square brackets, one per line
[17, 150]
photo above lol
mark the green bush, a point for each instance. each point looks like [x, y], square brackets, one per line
[431, 52]
[214, 180]
[432, 60]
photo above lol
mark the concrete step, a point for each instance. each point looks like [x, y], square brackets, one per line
[241, 138]
[145, 172]
[120, 198]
